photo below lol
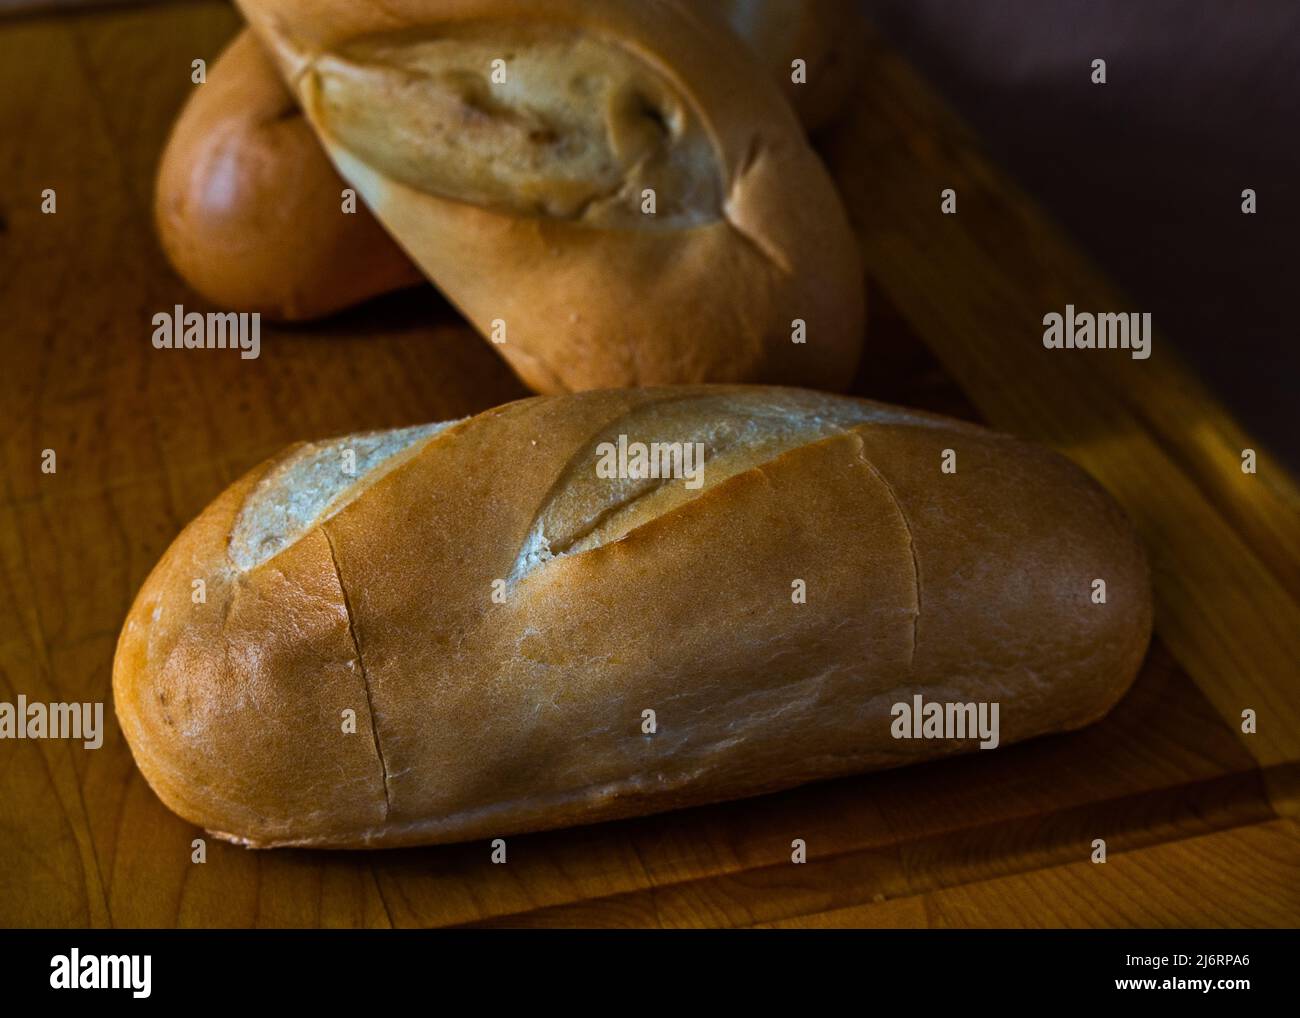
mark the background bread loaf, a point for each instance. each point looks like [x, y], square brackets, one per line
[249, 210]
[247, 202]
[632, 203]
[372, 592]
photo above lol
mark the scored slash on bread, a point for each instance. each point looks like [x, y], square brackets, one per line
[372, 592]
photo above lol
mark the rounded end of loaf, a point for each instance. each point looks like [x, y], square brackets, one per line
[249, 210]
[1098, 543]
[1117, 627]
[1113, 632]
[1044, 590]
[231, 689]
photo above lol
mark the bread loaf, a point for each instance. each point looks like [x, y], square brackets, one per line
[497, 610]
[613, 192]
[247, 203]
[249, 211]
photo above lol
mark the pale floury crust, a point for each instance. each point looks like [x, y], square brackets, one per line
[479, 717]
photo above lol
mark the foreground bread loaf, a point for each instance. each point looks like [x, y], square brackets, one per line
[497, 614]
[248, 204]
[615, 193]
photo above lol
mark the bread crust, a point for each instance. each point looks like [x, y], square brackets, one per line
[249, 210]
[478, 717]
[576, 305]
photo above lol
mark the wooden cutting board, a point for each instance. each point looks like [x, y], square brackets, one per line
[1199, 819]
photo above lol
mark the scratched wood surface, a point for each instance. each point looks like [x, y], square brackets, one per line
[1199, 819]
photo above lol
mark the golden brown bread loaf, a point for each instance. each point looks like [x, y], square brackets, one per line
[249, 210]
[614, 192]
[479, 715]
[247, 202]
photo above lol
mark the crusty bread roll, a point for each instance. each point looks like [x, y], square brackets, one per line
[524, 196]
[243, 173]
[249, 210]
[498, 613]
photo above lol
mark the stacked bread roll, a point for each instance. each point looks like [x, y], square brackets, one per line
[624, 198]
[589, 604]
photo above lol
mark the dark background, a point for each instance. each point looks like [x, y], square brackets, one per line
[1202, 100]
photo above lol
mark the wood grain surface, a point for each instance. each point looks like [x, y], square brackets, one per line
[1197, 817]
